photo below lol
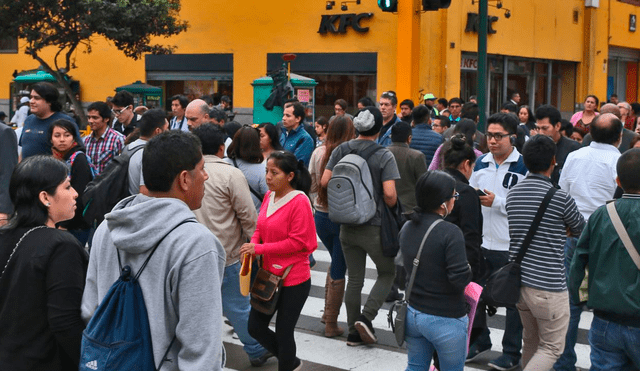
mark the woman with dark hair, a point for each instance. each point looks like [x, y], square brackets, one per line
[321, 127]
[340, 130]
[245, 154]
[437, 315]
[584, 118]
[285, 236]
[42, 272]
[65, 147]
[526, 118]
[269, 139]
[467, 128]
[578, 134]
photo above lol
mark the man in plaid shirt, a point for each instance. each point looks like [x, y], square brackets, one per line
[104, 143]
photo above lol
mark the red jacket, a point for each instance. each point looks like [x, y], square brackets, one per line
[286, 237]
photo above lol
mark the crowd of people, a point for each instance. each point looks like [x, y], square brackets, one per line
[206, 192]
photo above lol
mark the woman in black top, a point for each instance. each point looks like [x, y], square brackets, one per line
[43, 272]
[459, 161]
[67, 148]
[437, 316]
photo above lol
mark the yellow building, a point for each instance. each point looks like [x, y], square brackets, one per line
[549, 51]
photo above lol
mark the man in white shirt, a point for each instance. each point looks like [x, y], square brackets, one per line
[495, 174]
[589, 176]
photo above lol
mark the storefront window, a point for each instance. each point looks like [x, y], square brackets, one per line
[348, 87]
[193, 89]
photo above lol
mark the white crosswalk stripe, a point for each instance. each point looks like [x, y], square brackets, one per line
[314, 347]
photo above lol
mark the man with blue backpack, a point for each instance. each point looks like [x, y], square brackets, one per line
[360, 178]
[152, 297]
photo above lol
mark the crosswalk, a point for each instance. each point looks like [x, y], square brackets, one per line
[320, 353]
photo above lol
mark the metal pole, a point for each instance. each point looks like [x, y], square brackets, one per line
[482, 62]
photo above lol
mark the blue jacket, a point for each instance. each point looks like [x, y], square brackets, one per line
[426, 141]
[298, 142]
[385, 139]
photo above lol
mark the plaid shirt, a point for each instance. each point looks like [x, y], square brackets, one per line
[104, 149]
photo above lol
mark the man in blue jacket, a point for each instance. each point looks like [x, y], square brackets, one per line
[424, 139]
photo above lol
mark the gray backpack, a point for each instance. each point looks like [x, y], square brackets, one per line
[350, 192]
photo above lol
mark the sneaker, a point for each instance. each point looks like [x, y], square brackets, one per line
[476, 352]
[504, 363]
[366, 331]
[257, 362]
[353, 340]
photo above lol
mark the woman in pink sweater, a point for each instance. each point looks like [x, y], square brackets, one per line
[285, 236]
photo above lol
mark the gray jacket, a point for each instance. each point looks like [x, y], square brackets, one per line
[181, 283]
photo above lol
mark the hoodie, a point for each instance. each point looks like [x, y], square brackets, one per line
[180, 284]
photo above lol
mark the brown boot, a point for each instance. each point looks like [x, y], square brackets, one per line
[326, 289]
[332, 308]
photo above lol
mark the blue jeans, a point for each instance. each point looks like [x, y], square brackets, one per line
[236, 308]
[512, 338]
[613, 346]
[329, 233]
[426, 333]
[567, 361]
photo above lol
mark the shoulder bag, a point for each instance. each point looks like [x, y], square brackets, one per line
[503, 286]
[400, 306]
[266, 289]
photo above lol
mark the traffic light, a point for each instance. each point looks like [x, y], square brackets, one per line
[389, 5]
[428, 5]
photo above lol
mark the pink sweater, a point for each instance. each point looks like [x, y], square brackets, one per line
[286, 237]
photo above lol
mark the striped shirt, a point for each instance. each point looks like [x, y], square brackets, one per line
[543, 263]
[104, 149]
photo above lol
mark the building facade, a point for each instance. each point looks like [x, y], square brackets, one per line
[549, 51]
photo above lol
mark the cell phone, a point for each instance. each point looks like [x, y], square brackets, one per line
[480, 192]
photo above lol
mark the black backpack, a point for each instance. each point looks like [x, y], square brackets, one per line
[108, 188]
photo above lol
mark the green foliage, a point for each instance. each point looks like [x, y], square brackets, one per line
[68, 24]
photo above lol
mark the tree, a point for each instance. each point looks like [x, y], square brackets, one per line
[67, 25]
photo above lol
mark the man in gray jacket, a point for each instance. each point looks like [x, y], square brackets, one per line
[181, 283]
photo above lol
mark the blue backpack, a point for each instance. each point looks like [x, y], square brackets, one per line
[94, 170]
[118, 335]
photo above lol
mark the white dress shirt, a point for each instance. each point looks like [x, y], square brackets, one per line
[589, 175]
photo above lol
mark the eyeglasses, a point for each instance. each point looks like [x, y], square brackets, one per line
[389, 93]
[118, 112]
[455, 196]
[436, 126]
[496, 136]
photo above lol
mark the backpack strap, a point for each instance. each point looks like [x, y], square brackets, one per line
[622, 233]
[152, 251]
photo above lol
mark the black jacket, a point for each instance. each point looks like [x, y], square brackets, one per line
[443, 272]
[467, 215]
[40, 296]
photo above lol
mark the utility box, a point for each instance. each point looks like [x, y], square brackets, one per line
[304, 89]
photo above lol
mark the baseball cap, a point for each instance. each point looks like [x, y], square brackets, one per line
[24, 100]
[429, 96]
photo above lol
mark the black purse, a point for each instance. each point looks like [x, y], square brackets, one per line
[503, 286]
[265, 290]
[400, 306]
[392, 221]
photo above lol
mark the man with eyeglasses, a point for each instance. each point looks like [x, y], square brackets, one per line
[495, 174]
[126, 119]
[548, 122]
[440, 124]
[388, 106]
[104, 143]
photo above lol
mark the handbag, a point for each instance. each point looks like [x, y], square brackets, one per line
[18, 244]
[266, 290]
[503, 286]
[400, 306]
[245, 274]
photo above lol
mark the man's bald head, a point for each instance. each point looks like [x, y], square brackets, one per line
[606, 128]
[197, 113]
[611, 108]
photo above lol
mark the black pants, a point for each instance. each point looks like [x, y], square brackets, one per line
[281, 342]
